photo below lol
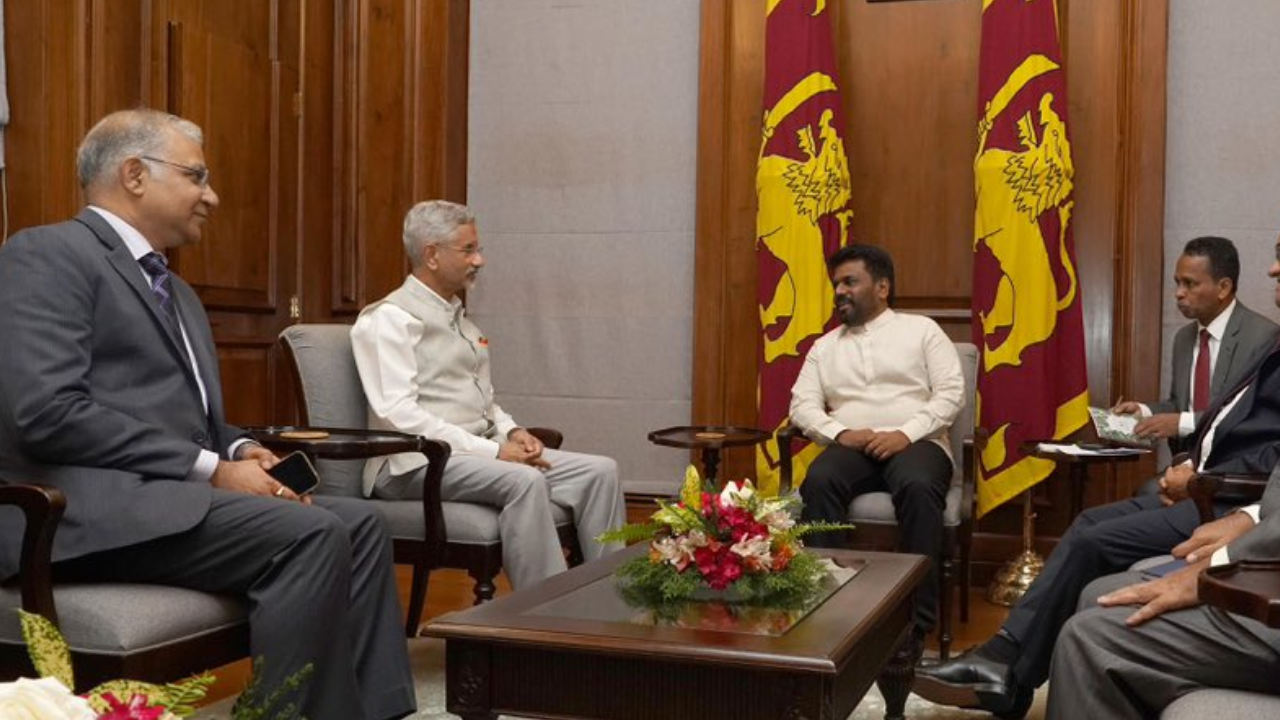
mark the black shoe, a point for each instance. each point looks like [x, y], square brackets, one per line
[974, 681]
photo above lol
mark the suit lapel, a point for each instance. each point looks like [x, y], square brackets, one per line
[1226, 353]
[130, 273]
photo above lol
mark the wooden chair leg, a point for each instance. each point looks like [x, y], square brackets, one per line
[484, 588]
[964, 583]
[417, 599]
[944, 608]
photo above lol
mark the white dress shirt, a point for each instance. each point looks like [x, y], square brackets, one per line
[896, 372]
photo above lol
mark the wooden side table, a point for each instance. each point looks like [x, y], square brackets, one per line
[709, 439]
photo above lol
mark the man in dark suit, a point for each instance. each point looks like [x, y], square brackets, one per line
[109, 391]
[1116, 662]
[1234, 337]
[1001, 675]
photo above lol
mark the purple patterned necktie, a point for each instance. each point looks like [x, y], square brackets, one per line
[158, 270]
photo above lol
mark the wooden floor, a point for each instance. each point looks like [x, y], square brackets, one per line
[451, 590]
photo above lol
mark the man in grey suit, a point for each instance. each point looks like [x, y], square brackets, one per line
[109, 391]
[1235, 337]
[1001, 674]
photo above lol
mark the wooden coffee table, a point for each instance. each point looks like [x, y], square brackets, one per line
[569, 647]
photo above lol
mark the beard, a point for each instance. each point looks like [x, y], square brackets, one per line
[850, 313]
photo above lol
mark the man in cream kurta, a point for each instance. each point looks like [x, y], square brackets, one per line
[425, 370]
[880, 392]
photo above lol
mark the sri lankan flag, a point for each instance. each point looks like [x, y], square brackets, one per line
[802, 184]
[1026, 298]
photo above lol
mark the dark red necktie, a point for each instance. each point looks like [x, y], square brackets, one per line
[1200, 383]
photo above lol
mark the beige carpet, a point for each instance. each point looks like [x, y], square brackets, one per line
[427, 656]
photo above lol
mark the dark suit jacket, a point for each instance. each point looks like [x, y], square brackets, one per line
[1247, 439]
[97, 396]
[1247, 338]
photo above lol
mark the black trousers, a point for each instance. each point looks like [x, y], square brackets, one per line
[321, 589]
[917, 478]
[1102, 540]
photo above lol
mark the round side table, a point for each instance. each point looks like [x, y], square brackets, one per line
[709, 439]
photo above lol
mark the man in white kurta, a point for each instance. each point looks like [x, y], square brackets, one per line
[425, 370]
[880, 392]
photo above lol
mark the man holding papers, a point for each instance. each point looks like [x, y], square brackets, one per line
[1236, 433]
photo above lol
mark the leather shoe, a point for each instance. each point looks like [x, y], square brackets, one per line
[974, 681]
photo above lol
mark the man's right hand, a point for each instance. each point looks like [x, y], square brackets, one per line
[1126, 407]
[248, 477]
[1173, 484]
[517, 452]
[856, 439]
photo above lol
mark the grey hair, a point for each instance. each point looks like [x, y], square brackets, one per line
[433, 222]
[125, 134]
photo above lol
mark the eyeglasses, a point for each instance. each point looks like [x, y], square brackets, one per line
[466, 250]
[198, 175]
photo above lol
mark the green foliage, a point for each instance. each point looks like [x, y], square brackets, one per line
[654, 584]
[47, 648]
[631, 533]
[52, 658]
[179, 698]
[257, 703]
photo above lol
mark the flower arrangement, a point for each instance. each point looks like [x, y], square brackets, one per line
[51, 698]
[738, 543]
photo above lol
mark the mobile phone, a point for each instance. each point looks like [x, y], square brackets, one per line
[297, 473]
[1163, 569]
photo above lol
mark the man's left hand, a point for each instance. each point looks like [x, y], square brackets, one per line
[886, 444]
[264, 457]
[1172, 592]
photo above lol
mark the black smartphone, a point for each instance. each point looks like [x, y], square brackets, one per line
[297, 473]
[1163, 569]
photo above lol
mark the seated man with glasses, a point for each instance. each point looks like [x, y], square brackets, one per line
[425, 370]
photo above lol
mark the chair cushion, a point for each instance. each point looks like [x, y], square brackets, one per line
[118, 618]
[467, 523]
[1222, 705]
[877, 508]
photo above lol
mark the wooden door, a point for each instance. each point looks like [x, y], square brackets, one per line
[232, 66]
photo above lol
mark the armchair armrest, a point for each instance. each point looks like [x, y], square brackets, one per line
[42, 508]
[550, 437]
[1250, 588]
[786, 434]
[1210, 487]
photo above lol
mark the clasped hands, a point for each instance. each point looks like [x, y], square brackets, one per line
[1179, 589]
[522, 447]
[248, 474]
[875, 444]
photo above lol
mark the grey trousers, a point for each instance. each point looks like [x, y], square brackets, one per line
[321, 589]
[1105, 669]
[587, 485]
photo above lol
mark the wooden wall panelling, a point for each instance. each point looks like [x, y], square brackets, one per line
[65, 70]
[404, 135]
[908, 77]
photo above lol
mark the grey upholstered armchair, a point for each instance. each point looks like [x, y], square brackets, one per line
[115, 630]
[426, 533]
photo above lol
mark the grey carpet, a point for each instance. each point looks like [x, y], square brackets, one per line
[427, 656]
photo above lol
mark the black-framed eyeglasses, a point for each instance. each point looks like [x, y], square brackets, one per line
[198, 175]
[467, 251]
